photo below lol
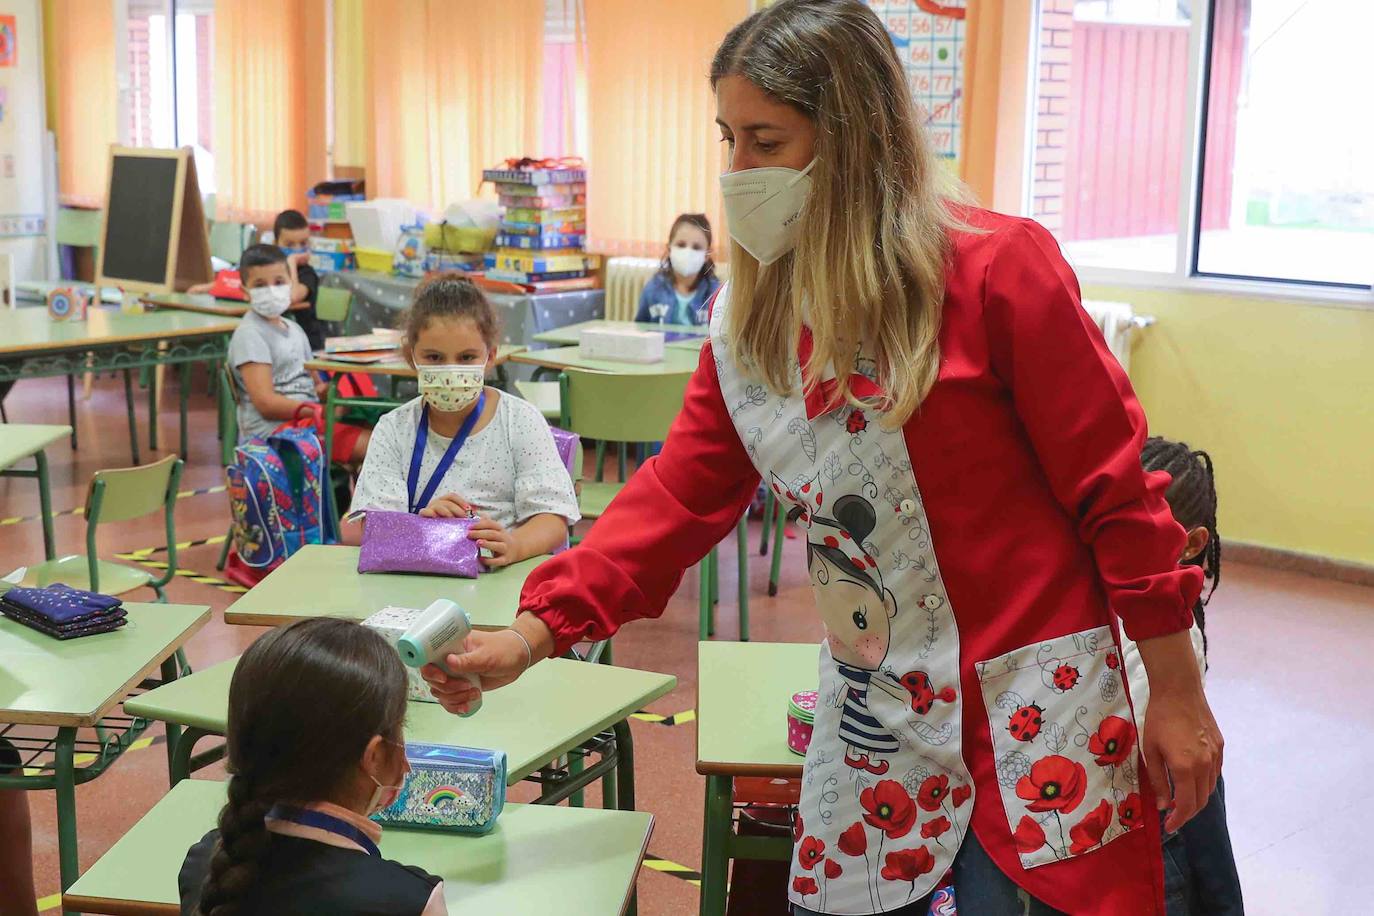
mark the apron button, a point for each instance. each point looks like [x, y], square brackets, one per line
[908, 507]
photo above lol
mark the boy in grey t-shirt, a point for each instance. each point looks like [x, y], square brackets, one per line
[268, 354]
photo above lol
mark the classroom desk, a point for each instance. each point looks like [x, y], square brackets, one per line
[536, 860]
[323, 581]
[204, 303]
[742, 695]
[22, 440]
[556, 359]
[32, 345]
[557, 706]
[571, 335]
[75, 684]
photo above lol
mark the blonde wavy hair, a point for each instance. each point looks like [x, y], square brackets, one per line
[869, 263]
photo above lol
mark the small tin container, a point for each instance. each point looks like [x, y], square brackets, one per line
[801, 715]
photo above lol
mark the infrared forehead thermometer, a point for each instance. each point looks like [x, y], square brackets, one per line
[438, 633]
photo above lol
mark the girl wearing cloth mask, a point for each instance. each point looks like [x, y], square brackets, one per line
[316, 745]
[463, 449]
[932, 359]
[686, 281]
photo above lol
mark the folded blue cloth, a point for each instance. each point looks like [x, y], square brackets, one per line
[61, 604]
[103, 623]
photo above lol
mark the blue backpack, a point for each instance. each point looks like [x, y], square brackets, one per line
[277, 500]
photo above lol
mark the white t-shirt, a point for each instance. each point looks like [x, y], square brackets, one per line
[509, 469]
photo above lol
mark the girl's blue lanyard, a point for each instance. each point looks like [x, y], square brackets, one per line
[327, 822]
[446, 462]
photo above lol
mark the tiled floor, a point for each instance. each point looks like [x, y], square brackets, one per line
[1287, 682]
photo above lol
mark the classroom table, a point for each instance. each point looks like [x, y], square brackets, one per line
[556, 359]
[570, 335]
[559, 705]
[742, 694]
[75, 684]
[204, 303]
[536, 860]
[323, 581]
[32, 345]
[23, 440]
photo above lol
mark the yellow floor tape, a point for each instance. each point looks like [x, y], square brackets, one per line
[677, 718]
[674, 869]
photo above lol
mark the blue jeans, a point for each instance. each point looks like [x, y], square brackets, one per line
[1199, 867]
[980, 889]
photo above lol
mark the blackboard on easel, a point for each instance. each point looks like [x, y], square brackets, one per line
[152, 237]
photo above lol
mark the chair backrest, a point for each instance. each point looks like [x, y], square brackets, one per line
[621, 408]
[127, 493]
[332, 303]
[77, 227]
[230, 383]
[227, 240]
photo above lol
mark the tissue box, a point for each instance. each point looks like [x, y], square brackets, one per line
[454, 789]
[628, 346]
[392, 622]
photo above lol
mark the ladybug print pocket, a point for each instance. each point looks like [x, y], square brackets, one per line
[1065, 745]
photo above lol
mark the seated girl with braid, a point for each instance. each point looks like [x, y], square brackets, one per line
[315, 742]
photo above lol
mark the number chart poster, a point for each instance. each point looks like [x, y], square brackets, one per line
[929, 37]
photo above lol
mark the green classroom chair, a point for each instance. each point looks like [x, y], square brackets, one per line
[118, 495]
[333, 304]
[227, 240]
[547, 396]
[594, 406]
[79, 228]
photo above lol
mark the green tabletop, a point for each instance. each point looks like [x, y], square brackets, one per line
[537, 859]
[743, 689]
[572, 334]
[397, 366]
[675, 359]
[44, 681]
[552, 708]
[198, 302]
[20, 440]
[30, 330]
[321, 581]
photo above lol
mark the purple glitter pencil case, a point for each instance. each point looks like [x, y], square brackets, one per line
[398, 542]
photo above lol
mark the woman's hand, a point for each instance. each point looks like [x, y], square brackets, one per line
[503, 545]
[450, 505]
[496, 658]
[1182, 744]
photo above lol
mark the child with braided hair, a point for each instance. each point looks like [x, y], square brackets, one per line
[315, 745]
[1199, 865]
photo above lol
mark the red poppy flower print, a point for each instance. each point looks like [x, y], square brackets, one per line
[1113, 661]
[812, 851]
[805, 886]
[1029, 835]
[961, 794]
[1129, 811]
[832, 869]
[1065, 677]
[932, 829]
[908, 864]
[1113, 743]
[888, 807]
[933, 792]
[856, 423]
[1054, 783]
[797, 829]
[1087, 833]
[854, 842]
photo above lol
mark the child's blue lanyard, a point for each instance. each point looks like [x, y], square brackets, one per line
[321, 821]
[446, 462]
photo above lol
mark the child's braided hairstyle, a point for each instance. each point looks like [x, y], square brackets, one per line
[1192, 497]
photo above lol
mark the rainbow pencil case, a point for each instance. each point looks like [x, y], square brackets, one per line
[453, 789]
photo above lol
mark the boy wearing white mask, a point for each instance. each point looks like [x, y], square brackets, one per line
[268, 354]
[686, 280]
[461, 449]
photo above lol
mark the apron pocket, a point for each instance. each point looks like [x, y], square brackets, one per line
[1065, 745]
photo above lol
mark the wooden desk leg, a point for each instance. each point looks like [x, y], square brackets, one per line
[715, 854]
[45, 504]
[64, 773]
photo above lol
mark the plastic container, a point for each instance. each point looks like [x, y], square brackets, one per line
[801, 717]
[410, 252]
[374, 260]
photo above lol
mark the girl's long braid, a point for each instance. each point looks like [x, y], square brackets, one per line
[238, 855]
[1192, 497]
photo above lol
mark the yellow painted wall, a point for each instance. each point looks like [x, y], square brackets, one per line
[1281, 393]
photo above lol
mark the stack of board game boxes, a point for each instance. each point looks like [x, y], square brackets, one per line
[331, 239]
[542, 239]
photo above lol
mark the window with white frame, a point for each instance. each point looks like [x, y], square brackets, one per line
[168, 71]
[1270, 178]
